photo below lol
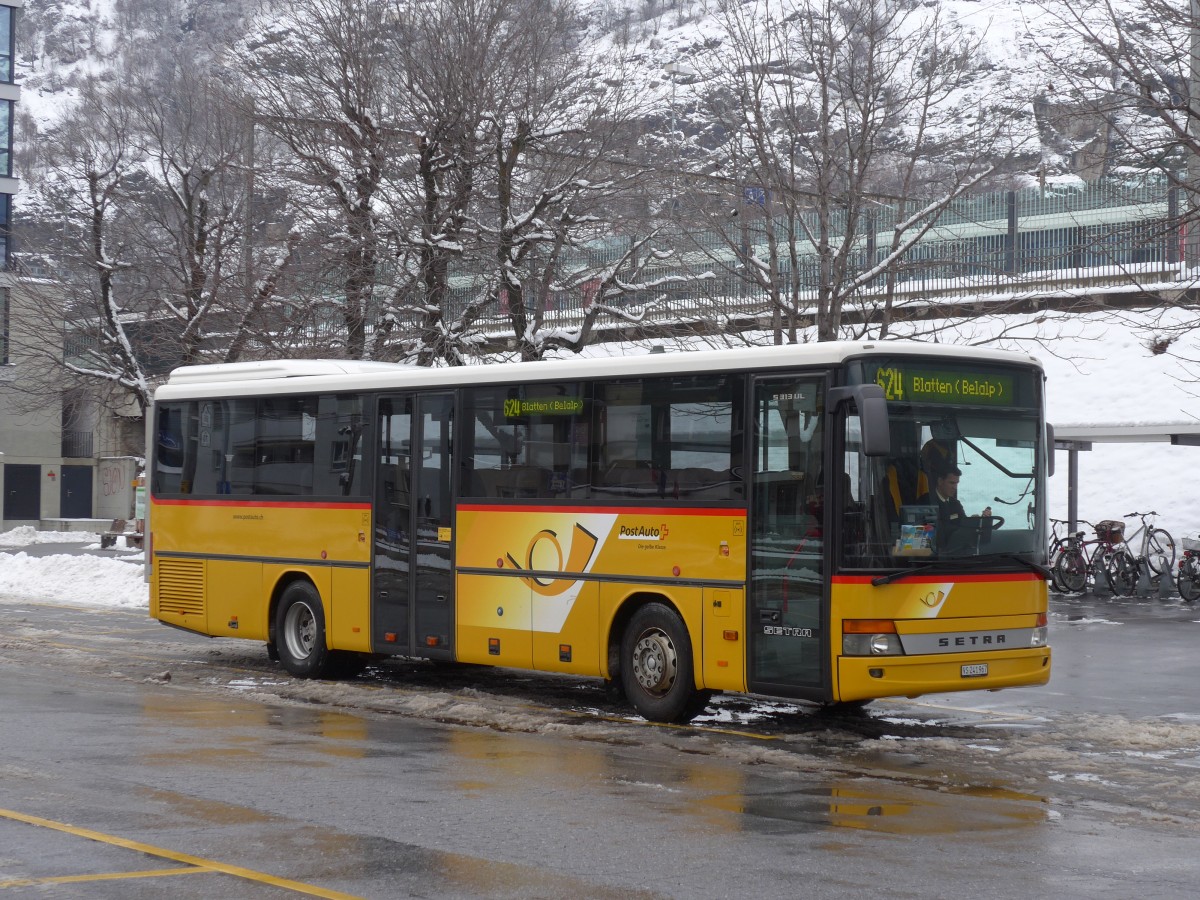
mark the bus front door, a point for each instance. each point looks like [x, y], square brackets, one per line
[412, 609]
[787, 583]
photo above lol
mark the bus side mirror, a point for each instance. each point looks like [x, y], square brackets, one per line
[1049, 449]
[876, 435]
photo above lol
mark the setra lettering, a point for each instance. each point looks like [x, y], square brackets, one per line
[972, 640]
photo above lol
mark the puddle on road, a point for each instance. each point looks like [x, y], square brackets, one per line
[717, 787]
[877, 806]
[896, 809]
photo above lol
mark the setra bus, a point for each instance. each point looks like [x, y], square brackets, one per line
[677, 524]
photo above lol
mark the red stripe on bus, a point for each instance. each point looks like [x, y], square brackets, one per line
[944, 577]
[270, 504]
[611, 510]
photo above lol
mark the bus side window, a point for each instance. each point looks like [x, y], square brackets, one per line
[527, 443]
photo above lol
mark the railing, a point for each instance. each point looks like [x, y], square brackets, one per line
[1110, 234]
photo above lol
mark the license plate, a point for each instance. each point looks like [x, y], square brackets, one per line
[974, 671]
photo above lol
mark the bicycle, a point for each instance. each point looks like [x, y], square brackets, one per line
[1078, 560]
[1157, 548]
[1188, 580]
[1059, 542]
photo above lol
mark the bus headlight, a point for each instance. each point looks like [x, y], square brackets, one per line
[1038, 638]
[871, 645]
[870, 637]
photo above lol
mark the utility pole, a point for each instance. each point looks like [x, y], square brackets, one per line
[250, 291]
[1191, 210]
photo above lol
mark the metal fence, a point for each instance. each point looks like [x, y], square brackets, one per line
[1103, 235]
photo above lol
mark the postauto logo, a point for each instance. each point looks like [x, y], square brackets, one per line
[642, 532]
[544, 556]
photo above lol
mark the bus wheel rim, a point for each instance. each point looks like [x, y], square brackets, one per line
[655, 663]
[301, 630]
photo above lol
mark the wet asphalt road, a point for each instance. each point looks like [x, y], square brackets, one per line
[138, 761]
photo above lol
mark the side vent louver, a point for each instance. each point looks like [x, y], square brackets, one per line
[180, 587]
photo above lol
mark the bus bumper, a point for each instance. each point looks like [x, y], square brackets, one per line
[868, 677]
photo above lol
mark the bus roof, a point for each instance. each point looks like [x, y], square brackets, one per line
[308, 375]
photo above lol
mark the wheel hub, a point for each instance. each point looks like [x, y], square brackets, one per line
[300, 630]
[655, 663]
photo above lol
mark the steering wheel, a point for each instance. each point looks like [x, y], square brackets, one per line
[996, 521]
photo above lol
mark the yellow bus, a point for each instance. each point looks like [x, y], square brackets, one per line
[763, 520]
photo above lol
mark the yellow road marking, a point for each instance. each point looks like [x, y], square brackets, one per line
[186, 858]
[106, 876]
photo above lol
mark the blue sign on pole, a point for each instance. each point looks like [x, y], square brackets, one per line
[755, 195]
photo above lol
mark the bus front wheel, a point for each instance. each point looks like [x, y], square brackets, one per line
[300, 630]
[656, 666]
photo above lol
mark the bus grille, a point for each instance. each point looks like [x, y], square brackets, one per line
[181, 587]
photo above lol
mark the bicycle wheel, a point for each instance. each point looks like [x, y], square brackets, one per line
[1121, 571]
[1070, 571]
[1160, 551]
[1057, 549]
[1189, 579]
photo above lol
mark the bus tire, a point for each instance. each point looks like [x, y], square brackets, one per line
[656, 666]
[300, 631]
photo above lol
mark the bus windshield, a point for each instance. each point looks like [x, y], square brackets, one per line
[961, 480]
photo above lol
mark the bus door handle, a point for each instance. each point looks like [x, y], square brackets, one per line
[769, 616]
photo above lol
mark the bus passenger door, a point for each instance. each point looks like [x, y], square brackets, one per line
[412, 597]
[787, 578]
[391, 586]
[433, 522]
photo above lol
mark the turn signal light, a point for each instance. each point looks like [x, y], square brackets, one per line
[868, 626]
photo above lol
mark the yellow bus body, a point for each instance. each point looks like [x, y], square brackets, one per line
[543, 588]
[949, 610]
[226, 589]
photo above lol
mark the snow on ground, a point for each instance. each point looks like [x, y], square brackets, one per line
[77, 579]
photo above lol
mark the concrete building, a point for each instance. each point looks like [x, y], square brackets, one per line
[59, 459]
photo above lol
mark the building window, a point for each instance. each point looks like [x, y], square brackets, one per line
[3, 326]
[6, 117]
[5, 233]
[6, 43]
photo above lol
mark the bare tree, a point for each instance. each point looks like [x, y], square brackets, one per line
[318, 76]
[825, 113]
[1122, 82]
[141, 211]
[559, 129]
[516, 134]
[92, 292]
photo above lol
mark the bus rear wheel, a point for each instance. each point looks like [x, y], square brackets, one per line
[656, 666]
[300, 631]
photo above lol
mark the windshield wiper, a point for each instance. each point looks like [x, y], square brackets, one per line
[1012, 557]
[954, 565]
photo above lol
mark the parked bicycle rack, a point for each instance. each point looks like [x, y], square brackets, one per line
[1164, 590]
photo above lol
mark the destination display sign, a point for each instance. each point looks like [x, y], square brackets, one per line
[917, 384]
[515, 407]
